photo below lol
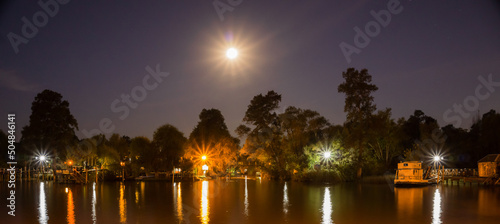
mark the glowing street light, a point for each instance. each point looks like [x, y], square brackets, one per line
[327, 155]
[42, 159]
[204, 158]
[123, 170]
[437, 161]
[205, 169]
[437, 158]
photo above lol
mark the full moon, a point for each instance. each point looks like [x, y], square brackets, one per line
[231, 53]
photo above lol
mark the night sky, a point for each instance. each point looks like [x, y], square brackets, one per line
[429, 56]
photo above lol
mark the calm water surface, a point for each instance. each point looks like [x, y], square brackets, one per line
[250, 201]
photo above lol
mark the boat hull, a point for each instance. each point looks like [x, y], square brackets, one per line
[412, 183]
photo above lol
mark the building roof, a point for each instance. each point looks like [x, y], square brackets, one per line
[490, 158]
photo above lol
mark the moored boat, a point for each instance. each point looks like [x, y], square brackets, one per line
[411, 174]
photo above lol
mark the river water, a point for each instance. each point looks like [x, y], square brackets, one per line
[249, 201]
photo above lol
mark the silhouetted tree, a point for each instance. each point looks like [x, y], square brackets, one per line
[212, 139]
[384, 138]
[359, 107]
[142, 154]
[168, 142]
[264, 141]
[51, 125]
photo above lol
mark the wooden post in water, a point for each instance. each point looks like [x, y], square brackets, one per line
[173, 175]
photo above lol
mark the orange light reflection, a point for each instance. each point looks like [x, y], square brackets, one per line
[123, 204]
[71, 208]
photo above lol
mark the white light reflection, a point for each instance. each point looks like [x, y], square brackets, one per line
[436, 211]
[327, 208]
[94, 203]
[178, 201]
[42, 207]
[246, 197]
[204, 208]
[285, 199]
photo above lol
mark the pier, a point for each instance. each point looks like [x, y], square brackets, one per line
[465, 176]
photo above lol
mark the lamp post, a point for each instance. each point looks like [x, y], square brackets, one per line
[42, 161]
[327, 155]
[203, 159]
[437, 159]
[205, 169]
[123, 170]
[70, 164]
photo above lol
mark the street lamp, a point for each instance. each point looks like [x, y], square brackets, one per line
[123, 170]
[205, 169]
[204, 158]
[437, 160]
[42, 160]
[327, 155]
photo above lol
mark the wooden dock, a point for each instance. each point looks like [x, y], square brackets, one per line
[466, 176]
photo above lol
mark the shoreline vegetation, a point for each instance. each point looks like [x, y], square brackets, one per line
[280, 143]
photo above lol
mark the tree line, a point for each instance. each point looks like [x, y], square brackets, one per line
[295, 143]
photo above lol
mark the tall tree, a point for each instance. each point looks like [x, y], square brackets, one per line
[421, 136]
[359, 107]
[211, 126]
[121, 144]
[486, 134]
[300, 128]
[212, 139]
[168, 142]
[142, 153]
[51, 126]
[265, 138]
[384, 137]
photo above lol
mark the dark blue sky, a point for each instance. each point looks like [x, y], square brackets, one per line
[429, 56]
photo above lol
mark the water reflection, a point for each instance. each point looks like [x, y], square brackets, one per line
[285, 199]
[123, 204]
[327, 207]
[409, 201]
[436, 211]
[204, 208]
[42, 206]
[178, 201]
[94, 202]
[71, 207]
[137, 195]
[246, 196]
